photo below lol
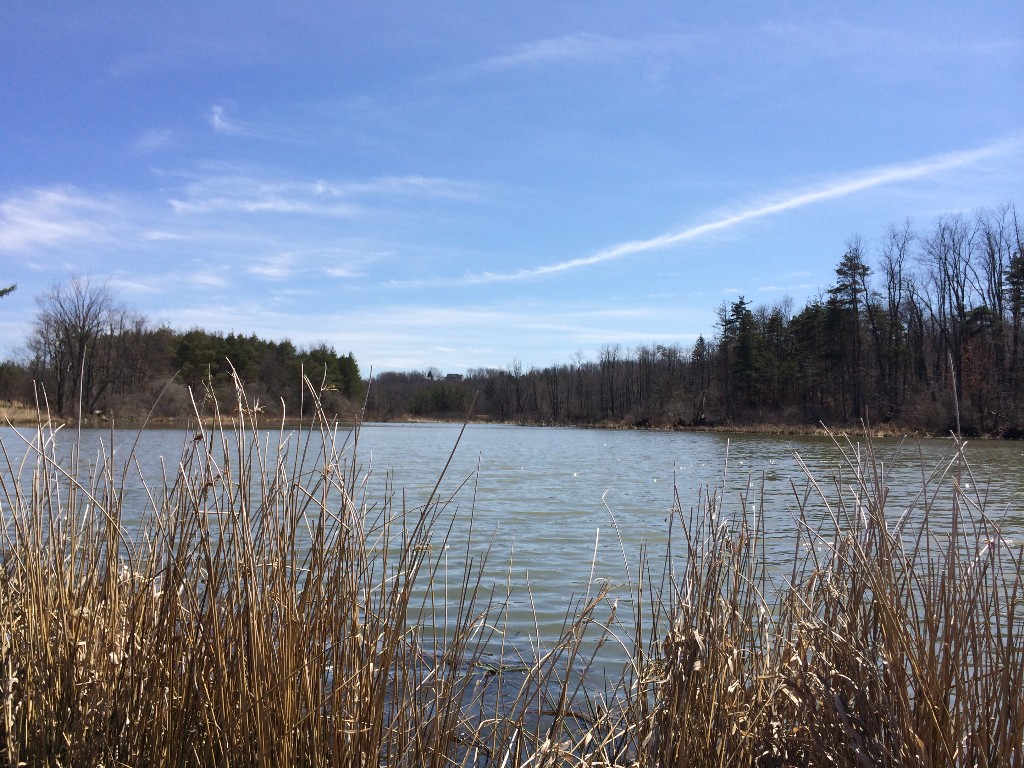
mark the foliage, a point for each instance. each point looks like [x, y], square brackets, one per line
[267, 368]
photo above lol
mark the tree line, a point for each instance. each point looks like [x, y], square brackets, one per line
[926, 331]
[90, 354]
[922, 330]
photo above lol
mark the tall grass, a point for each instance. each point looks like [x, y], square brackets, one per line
[267, 609]
[890, 642]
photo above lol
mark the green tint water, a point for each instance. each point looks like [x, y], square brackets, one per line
[561, 513]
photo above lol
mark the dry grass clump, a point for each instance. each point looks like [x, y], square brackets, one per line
[889, 642]
[17, 413]
[262, 610]
[252, 618]
[265, 610]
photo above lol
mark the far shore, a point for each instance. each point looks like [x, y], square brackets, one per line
[16, 415]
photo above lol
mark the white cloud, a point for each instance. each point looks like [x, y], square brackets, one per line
[122, 284]
[781, 203]
[153, 141]
[208, 278]
[344, 271]
[53, 215]
[221, 123]
[333, 262]
[422, 186]
[248, 192]
[585, 47]
[157, 236]
[271, 270]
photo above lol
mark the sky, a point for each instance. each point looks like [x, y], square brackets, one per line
[460, 185]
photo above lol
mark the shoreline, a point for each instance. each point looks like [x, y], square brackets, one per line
[21, 416]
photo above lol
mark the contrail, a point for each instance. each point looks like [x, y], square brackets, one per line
[839, 188]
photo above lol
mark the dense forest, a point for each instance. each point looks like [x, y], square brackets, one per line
[925, 331]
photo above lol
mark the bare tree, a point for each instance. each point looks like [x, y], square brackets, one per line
[948, 260]
[995, 246]
[71, 343]
[893, 350]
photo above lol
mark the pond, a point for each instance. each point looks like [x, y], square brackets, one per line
[561, 511]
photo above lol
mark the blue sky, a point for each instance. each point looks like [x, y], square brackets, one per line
[465, 185]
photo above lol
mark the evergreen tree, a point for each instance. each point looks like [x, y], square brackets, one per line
[848, 298]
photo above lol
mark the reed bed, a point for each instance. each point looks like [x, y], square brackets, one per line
[266, 609]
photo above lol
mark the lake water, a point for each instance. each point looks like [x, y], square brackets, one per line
[561, 511]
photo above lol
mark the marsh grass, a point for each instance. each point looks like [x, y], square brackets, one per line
[268, 609]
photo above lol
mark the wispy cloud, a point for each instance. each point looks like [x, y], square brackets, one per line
[127, 285]
[50, 216]
[162, 236]
[223, 117]
[791, 41]
[279, 267]
[585, 47]
[413, 185]
[222, 123]
[202, 277]
[837, 188]
[344, 271]
[247, 193]
[153, 141]
[313, 264]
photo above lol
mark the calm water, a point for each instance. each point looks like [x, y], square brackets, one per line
[562, 510]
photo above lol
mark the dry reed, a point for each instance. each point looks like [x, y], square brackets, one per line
[264, 610]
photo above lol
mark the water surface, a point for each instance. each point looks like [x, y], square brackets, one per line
[560, 511]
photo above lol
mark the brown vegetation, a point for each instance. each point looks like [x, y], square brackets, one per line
[264, 611]
[18, 413]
